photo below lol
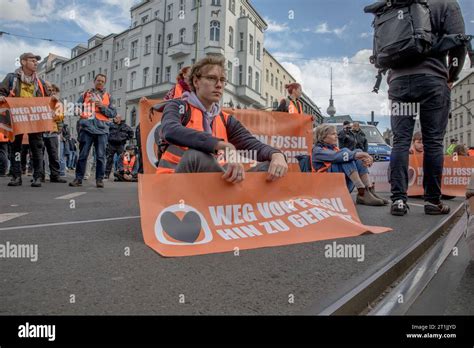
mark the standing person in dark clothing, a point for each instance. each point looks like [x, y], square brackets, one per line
[359, 137]
[139, 149]
[3, 154]
[195, 147]
[24, 83]
[119, 134]
[426, 86]
[346, 137]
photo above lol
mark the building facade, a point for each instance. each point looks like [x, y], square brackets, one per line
[164, 36]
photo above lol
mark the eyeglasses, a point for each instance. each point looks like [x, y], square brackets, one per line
[215, 79]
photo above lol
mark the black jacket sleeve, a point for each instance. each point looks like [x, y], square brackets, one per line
[454, 24]
[5, 86]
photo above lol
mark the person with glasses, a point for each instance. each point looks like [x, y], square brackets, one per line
[196, 136]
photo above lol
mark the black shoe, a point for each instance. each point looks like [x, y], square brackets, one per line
[58, 180]
[76, 183]
[436, 209]
[99, 183]
[399, 208]
[15, 182]
[36, 182]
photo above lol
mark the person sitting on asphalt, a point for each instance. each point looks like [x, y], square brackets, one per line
[127, 165]
[328, 158]
[417, 144]
[119, 134]
[209, 133]
[460, 150]
[450, 150]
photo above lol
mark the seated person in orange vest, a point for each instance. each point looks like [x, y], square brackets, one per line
[96, 112]
[181, 85]
[417, 144]
[327, 157]
[194, 147]
[460, 150]
[471, 151]
[127, 168]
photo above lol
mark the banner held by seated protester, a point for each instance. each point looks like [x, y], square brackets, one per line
[290, 134]
[208, 215]
[26, 115]
[456, 175]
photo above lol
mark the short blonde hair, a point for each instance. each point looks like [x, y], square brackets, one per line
[322, 132]
[197, 69]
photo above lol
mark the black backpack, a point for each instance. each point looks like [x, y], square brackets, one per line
[403, 35]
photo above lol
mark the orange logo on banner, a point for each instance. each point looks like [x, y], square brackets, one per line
[456, 175]
[292, 135]
[208, 215]
[26, 115]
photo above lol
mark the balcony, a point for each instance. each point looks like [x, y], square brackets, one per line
[250, 96]
[214, 50]
[180, 50]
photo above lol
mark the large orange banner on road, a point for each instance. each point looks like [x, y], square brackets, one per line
[26, 115]
[193, 214]
[456, 175]
[292, 134]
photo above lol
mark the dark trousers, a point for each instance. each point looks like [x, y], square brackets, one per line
[51, 144]
[112, 149]
[3, 158]
[86, 140]
[25, 162]
[140, 160]
[432, 96]
[36, 146]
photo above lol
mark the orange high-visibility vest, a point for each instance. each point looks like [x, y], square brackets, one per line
[178, 91]
[471, 152]
[128, 164]
[3, 138]
[326, 165]
[173, 153]
[295, 107]
[87, 102]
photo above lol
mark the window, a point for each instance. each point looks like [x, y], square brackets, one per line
[229, 71]
[100, 54]
[196, 2]
[276, 82]
[195, 32]
[249, 80]
[157, 76]
[281, 87]
[158, 44]
[120, 83]
[168, 74]
[116, 65]
[232, 6]
[114, 85]
[215, 31]
[144, 19]
[182, 35]
[121, 63]
[257, 81]
[180, 66]
[169, 12]
[455, 123]
[241, 45]
[83, 62]
[271, 79]
[133, 117]
[251, 44]
[266, 99]
[240, 75]
[117, 46]
[450, 125]
[157, 13]
[231, 37]
[134, 50]
[106, 55]
[82, 79]
[118, 102]
[460, 100]
[181, 8]
[468, 95]
[216, 2]
[148, 44]
[461, 121]
[258, 50]
[145, 76]
[267, 76]
[133, 77]
[170, 40]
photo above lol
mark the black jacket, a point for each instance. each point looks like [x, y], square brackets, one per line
[346, 139]
[120, 133]
[360, 141]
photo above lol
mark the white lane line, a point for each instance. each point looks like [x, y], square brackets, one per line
[10, 216]
[67, 223]
[71, 195]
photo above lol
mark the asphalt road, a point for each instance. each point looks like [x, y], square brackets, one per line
[88, 260]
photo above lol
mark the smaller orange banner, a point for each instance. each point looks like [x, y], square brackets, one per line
[193, 214]
[26, 115]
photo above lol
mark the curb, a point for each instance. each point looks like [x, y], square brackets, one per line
[356, 301]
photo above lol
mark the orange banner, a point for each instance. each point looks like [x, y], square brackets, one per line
[292, 134]
[456, 175]
[194, 214]
[26, 115]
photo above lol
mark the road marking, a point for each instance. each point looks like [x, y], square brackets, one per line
[71, 195]
[10, 216]
[67, 223]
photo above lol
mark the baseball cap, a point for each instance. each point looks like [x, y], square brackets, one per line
[30, 55]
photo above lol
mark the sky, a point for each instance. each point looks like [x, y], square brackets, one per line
[309, 37]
